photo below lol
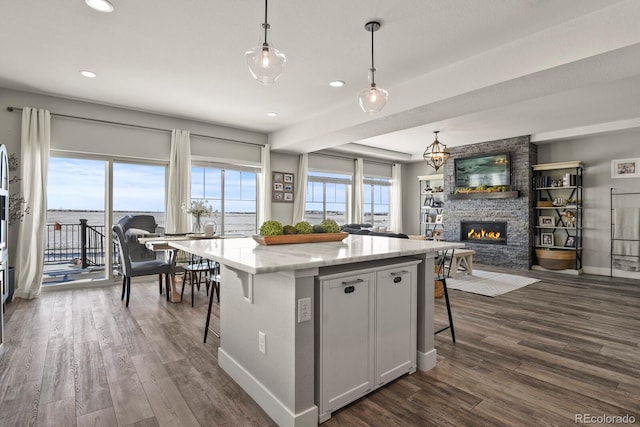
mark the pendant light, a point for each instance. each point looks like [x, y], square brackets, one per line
[372, 99]
[436, 154]
[265, 62]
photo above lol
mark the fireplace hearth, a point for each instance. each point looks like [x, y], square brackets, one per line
[489, 232]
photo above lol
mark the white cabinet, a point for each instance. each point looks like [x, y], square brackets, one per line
[395, 323]
[367, 330]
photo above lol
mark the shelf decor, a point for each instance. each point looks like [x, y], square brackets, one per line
[556, 259]
[299, 238]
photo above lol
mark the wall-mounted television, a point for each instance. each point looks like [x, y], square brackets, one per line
[486, 170]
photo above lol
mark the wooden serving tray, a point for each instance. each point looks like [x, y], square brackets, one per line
[299, 238]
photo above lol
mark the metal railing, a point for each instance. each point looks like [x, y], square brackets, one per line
[81, 244]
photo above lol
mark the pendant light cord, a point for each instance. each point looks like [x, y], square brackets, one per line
[373, 68]
[266, 23]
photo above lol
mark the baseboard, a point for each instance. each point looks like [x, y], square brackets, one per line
[428, 360]
[606, 271]
[263, 397]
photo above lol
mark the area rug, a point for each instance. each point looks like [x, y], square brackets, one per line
[489, 283]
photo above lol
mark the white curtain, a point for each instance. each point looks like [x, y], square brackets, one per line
[34, 154]
[301, 188]
[358, 191]
[179, 191]
[395, 213]
[264, 186]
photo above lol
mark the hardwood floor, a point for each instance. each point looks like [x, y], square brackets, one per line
[535, 356]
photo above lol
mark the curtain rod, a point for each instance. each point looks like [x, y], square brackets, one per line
[337, 156]
[109, 122]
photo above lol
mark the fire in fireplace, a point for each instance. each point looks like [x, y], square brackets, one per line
[492, 232]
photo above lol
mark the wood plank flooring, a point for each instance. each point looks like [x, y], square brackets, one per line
[535, 356]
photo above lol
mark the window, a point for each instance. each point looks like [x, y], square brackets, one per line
[376, 201]
[231, 193]
[327, 197]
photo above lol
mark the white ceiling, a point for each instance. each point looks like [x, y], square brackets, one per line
[476, 70]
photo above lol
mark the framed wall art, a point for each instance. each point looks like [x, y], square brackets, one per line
[282, 187]
[625, 168]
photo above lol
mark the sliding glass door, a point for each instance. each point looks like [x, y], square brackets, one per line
[75, 235]
[80, 192]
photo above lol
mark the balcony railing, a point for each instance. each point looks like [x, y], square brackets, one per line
[80, 244]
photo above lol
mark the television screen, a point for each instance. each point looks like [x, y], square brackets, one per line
[486, 170]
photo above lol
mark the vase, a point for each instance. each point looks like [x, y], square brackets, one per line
[197, 224]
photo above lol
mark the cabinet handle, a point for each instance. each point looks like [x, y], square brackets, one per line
[349, 289]
[352, 282]
[398, 273]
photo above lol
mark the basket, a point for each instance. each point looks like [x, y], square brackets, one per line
[556, 259]
[544, 204]
[438, 290]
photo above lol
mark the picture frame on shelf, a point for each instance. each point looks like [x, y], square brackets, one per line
[625, 168]
[439, 219]
[546, 221]
[570, 242]
[546, 239]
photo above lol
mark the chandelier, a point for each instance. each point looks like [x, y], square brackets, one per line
[436, 154]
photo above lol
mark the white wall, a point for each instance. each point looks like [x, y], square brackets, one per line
[596, 153]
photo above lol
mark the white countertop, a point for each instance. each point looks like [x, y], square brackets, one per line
[247, 255]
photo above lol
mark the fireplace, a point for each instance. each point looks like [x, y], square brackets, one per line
[490, 232]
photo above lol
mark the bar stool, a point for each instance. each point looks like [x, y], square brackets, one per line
[213, 280]
[441, 275]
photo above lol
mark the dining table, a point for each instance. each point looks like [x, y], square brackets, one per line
[162, 244]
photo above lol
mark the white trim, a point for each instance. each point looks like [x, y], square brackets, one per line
[264, 398]
[427, 361]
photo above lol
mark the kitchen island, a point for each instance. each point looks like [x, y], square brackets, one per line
[269, 304]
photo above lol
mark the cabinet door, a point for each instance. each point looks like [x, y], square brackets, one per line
[346, 340]
[395, 323]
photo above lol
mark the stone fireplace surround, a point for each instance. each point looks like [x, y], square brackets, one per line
[517, 212]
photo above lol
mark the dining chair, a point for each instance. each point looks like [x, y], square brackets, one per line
[440, 274]
[130, 268]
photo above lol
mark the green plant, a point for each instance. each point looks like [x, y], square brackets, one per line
[289, 229]
[303, 227]
[330, 226]
[318, 228]
[271, 228]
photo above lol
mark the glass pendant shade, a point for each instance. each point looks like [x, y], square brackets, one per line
[372, 99]
[436, 154]
[265, 63]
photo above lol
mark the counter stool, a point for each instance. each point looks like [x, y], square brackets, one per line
[441, 275]
[213, 280]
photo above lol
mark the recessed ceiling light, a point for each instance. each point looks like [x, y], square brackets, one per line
[336, 83]
[88, 74]
[100, 5]
[272, 114]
